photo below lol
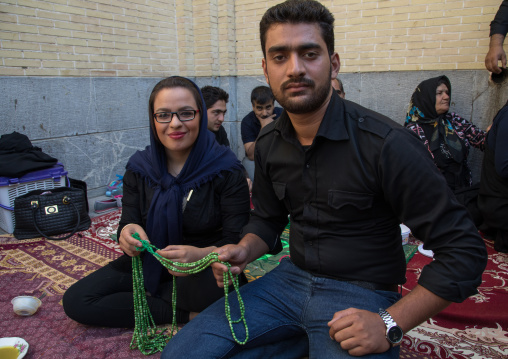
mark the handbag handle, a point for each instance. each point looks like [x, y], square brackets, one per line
[66, 200]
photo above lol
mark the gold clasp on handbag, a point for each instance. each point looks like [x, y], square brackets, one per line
[66, 200]
[51, 209]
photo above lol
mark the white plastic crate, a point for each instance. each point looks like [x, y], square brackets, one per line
[10, 188]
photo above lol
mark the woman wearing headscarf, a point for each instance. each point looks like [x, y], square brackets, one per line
[448, 137]
[493, 196]
[184, 194]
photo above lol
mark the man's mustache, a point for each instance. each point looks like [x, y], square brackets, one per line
[300, 80]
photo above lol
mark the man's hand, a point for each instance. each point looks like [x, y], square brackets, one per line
[358, 331]
[495, 54]
[268, 120]
[234, 254]
[129, 244]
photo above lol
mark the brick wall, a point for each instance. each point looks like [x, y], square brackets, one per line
[75, 75]
[412, 35]
[208, 44]
[88, 38]
[131, 38]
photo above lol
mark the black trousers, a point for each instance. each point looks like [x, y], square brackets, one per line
[468, 197]
[105, 297]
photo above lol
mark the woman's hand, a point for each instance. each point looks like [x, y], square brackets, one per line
[129, 244]
[184, 254]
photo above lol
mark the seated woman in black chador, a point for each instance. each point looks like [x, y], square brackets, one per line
[493, 196]
[184, 193]
[448, 137]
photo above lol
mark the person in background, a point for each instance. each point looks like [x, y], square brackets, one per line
[215, 101]
[184, 193]
[447, 136]
[263, 112]
[493, 195]
[347, 176]
[338, 87]
[498, 30]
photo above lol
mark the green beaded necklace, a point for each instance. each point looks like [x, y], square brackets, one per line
[145, 337]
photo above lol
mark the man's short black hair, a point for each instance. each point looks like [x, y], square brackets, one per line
[297, 12]
[261, 95]
[213, 94]
[341, 85]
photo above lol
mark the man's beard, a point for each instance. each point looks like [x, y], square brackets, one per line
[317, 98]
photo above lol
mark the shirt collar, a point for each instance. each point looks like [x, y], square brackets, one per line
[332, 127]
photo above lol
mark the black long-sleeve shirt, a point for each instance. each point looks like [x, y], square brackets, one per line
[500, 23]
[497, 142]
[346, 195]
[214, 214]
[493, 195]
[221, 136]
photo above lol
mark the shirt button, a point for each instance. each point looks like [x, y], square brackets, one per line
[360, 119]
[307, 165]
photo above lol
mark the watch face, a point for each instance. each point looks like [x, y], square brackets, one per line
[395, 335]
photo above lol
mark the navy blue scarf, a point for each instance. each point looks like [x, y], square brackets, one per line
[164, 222]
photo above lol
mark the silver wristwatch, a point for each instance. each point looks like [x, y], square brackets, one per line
[393, 332]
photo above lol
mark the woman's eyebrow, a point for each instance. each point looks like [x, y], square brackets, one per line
[166, 109]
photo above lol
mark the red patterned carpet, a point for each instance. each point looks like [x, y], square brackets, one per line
[33, 267]
[474, 329]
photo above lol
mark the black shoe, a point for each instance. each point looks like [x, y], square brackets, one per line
[501, 241]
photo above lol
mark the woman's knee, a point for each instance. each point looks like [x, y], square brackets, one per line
[74, 302]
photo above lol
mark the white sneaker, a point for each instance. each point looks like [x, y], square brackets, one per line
[425, 252]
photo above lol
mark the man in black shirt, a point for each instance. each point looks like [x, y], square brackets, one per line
[498, 30]
[215, 101]
[263, 112]
[347, 176]
[338, 87]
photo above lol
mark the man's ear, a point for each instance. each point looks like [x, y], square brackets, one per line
[335, 64]
[263, 63]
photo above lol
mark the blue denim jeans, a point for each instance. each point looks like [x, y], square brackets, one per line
[287, 312]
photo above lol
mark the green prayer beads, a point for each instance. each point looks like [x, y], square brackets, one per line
[145, 336]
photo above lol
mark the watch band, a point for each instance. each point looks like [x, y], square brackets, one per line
[394, 333]
[387, 318]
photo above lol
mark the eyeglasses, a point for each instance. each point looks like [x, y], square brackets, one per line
[166, 117]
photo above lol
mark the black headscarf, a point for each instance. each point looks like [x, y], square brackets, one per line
[422, 110]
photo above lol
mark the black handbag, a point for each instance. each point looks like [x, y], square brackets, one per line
[74, 183]
[52, 212]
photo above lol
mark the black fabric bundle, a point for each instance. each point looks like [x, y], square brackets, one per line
[18, 156]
